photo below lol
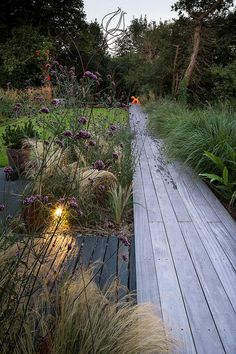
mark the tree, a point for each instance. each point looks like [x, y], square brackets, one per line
[24, 55]
[54, 17]
[199, 12]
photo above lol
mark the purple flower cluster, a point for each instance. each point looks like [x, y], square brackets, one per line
[8, 170]
[17, 107]
[56, 102]
[44, 110]
[82, 120]
[124, 240]
[2, 207]
[101, 188]
[90, 75]
[125, 257]
[83, 134]
[35, 198]
[99, 165]
[68, 133]
[115, 156]
[73, 203]
[92, 142]
[112, 129]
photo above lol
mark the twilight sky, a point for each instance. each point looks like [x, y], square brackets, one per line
[154, 9]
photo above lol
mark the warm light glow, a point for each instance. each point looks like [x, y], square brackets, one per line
[58, 212]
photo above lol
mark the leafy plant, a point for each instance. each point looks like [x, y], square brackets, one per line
[15, 134]
[120, 198]
[225, 183]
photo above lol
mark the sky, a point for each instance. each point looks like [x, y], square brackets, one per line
[155, 10]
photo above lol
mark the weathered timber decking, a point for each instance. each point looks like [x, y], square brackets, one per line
[185, 248]
[67, 253]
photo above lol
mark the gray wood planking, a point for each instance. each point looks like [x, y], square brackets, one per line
[185, 249]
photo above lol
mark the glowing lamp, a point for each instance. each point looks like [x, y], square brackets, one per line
[58, 212]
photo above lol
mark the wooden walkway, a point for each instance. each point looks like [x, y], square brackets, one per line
[114, 258]
[185, 248]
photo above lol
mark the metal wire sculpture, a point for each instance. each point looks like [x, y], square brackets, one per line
[113, 33]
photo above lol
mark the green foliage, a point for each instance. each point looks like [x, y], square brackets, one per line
[15, 134]
[225, 181]
[18, 60]
[224, 81]
[120, 198]
[189, 133]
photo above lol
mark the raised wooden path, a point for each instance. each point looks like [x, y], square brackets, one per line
[185, 249]
[67, 253]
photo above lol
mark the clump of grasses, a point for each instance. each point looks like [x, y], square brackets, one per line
[87, 320]
[189, 134]
[120, 198]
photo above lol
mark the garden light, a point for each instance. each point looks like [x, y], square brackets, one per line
[58, 212]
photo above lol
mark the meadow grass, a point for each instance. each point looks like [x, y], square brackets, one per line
[188, 134]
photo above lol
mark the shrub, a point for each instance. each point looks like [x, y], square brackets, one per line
[15, 134]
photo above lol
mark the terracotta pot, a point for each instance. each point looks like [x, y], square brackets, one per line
[18, 158]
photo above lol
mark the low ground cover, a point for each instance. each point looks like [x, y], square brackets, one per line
[203, 138]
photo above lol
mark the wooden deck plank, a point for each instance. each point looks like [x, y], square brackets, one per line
[108, 271]
[122, 268]
[170, 185]
[205, 335]
[132, 268]
[201, 243]
[90, 243]
[224, 315]
[147, 288]
[216, 253]
[173, 307]
[225, 240]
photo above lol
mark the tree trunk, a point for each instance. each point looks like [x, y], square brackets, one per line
[174, 71]
[193, 60]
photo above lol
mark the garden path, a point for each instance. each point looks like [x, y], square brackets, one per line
[185, 249]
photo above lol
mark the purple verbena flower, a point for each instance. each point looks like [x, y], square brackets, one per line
[90, 75]
[125, 257]
[113, 127]
[79, 213]
[99, 165]
[73, 203]
[82, 120]
[92, 142]
[124, 240]
[115, 156]
[110, 225]
[35, 198]
[61, 200]
[83, 134]
[45, 199]
[44, 110]
[68, 133]
[56, 102]
[2, 207]
[8, 170]
[101, 188]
